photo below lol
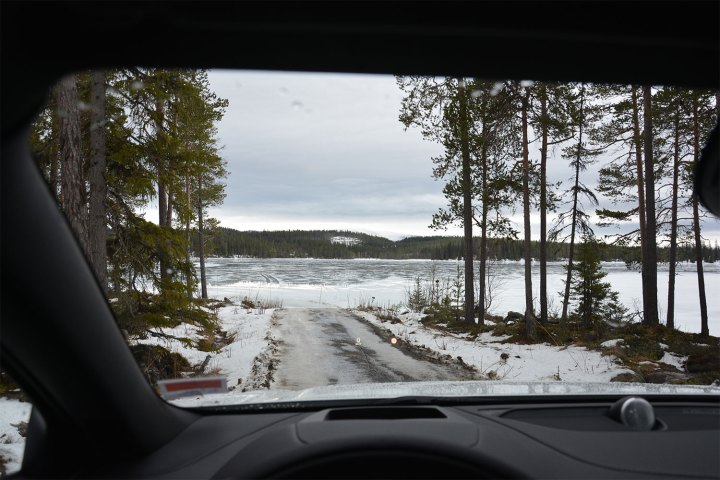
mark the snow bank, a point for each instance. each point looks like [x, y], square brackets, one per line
[247, 328]
[507, 361]
[250, 328]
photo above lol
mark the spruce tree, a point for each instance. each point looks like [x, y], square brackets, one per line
[596, 301]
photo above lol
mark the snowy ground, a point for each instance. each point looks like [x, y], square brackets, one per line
[248, 327]
[12, 444]
[506, 361]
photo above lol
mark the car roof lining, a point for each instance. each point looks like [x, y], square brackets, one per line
[611, 41]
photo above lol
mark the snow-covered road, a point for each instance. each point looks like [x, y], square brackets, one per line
[329, 346]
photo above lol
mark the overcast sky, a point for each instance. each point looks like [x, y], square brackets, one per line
[327, 151]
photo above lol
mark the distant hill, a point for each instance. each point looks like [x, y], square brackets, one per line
[228, 242]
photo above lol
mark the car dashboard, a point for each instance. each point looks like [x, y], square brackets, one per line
[556, 439]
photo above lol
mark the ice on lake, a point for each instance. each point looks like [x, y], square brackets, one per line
[348, 283]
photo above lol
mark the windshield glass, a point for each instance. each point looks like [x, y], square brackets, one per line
[259, 234]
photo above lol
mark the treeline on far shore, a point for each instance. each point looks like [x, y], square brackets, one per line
[227, 242]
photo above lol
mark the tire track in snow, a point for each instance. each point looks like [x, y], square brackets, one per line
[319, 346]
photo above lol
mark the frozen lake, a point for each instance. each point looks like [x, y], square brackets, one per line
[348, 283]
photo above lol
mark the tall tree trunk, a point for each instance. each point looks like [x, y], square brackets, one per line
[650, 261]
[201, 245]
[97, 221]
[71, 161]
[160, 164]
[162, 190]
[483, 235]
[670, 323]
[54, 179]
[188, 239]
[704, 329]
[529, 315]
[543, 207]
[571, 253]
[637, 140]
[483, 218]
[587, 300]
[576, 188]
[467, 205]
[169, 211]
[162, 204]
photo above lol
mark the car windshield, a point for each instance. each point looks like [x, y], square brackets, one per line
[283, 237]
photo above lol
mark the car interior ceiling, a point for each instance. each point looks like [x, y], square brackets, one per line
[88, 389]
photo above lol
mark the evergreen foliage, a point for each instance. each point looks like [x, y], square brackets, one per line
[158, 143]
[228, 242]
[597, 303]
[417, 296]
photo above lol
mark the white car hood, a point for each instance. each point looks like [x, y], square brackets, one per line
[378, 391]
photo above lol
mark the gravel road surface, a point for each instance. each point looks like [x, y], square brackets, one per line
[329, 346]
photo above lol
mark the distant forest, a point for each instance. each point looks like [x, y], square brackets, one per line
[228, 242]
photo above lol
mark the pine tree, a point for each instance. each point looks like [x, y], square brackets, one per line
[702, 114]
[497, 146]
[72, 193]
[523, 104]
[439, 107]
[544, 126]
[650, 306]
[671, 105]
[576, 219]
[553, 124]
[624, 180]
[97, 215]
[493, 147]
[524, 96]
[198, 158]
[683, 118]
[464, 135]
